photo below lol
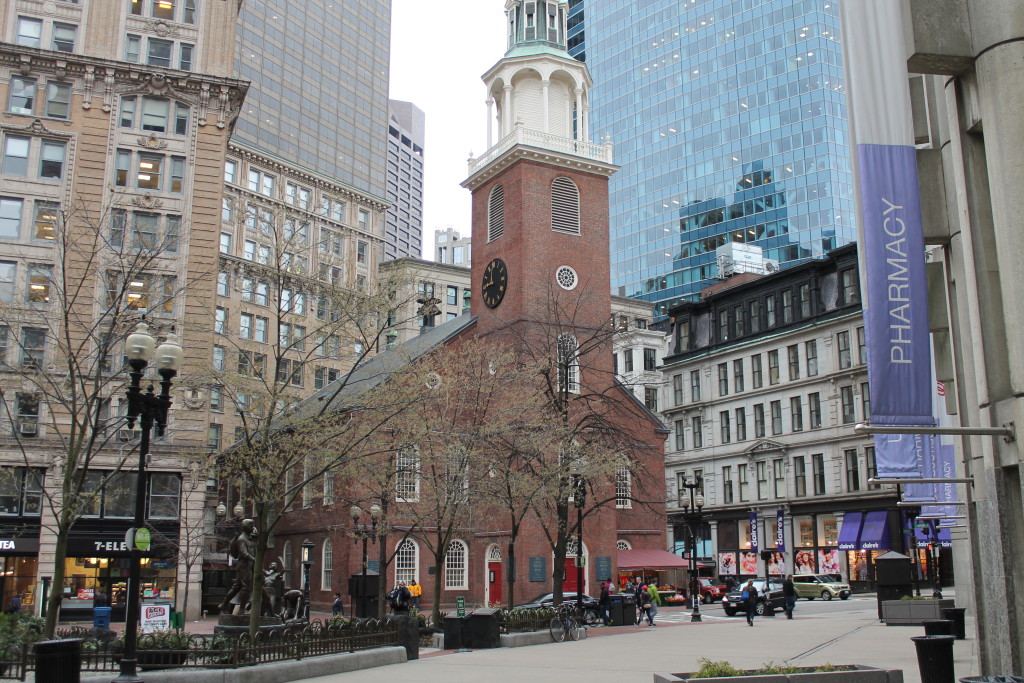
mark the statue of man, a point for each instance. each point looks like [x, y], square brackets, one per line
[243, 550]
[272, 577]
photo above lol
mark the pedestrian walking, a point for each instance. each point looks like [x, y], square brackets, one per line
[652, 590]
[399, 598]
[338, 607]
[749, 596]
[604, 603]
[789, 592]
[643, 603]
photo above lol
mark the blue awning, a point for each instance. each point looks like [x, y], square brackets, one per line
[849, 532]
[874, 535]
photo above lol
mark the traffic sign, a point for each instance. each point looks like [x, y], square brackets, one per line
[460, 603]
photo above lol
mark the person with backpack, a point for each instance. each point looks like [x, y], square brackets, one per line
[398, 599]
[749, 596]
[604, 603]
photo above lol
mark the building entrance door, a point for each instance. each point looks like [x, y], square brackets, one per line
[494, 581]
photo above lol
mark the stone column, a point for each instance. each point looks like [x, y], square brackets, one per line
[544, 104]
[490, 122]
[506, 111]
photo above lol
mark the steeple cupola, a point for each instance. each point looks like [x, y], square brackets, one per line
[537, 22]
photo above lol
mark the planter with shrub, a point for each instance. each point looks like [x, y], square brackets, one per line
[784, 673]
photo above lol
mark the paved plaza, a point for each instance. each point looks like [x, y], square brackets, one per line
[848, 633]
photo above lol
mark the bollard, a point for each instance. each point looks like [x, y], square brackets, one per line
[935, 658]
[957, 616]
[937, 627]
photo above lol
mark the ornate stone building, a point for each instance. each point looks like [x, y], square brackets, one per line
[116, 115]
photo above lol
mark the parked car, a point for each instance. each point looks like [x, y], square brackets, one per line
[711, 590]
[733, 603]
[590, 605]
[822, 586]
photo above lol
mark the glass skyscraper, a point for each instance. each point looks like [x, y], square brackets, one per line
[729, 122]
[319, 93]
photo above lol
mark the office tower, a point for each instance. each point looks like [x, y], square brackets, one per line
[406, 136]
[729, 123]
[452, 248]
[319, 95]
[115, 126]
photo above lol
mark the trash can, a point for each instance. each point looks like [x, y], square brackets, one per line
[483, 630]
[937, 627]
[935, 658]
[101, 617]
[59, 661]
[453, 633]
[628, 610]
[615, 617]
[956, 615]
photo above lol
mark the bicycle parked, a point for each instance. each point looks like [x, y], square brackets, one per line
[564, 622]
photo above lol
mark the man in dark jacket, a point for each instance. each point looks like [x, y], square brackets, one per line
[604, 604]
[750, 594]
[789, 592]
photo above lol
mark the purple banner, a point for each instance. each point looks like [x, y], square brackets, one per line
[754, 545]
[896, 318]
[780, 531]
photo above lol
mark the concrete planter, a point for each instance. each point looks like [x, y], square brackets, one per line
[913, 612]
[859, 674]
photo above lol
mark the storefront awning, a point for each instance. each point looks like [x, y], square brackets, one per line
[874, 535]
[850, 531]
[651, 559]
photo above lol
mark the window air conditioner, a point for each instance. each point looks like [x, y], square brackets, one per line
[28, 428]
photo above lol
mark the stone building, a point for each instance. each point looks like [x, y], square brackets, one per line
[406, 141]
[765, 378]
[968, 128]
[117, 116]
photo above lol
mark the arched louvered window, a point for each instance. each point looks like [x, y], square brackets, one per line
[565, 206]
[496, 213]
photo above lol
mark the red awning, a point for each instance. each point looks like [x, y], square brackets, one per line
[651, 559]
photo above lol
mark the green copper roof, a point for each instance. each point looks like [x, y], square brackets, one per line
[537, 49]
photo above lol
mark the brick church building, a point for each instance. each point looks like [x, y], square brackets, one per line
[540, 263]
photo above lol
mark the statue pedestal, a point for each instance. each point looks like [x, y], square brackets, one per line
[234, 625]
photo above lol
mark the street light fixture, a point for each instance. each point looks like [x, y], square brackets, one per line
[580, 499]
[694, 517]
[307, 562]
[149, 409]
[365, 532]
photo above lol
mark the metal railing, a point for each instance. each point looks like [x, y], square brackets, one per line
[172, 650]
[546, 141]
[525, 620]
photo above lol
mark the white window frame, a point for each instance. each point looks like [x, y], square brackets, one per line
[623, 487]
[456, 566]
[407, 561]
[327, 565]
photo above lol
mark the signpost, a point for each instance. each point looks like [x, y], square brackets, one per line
[460, 604]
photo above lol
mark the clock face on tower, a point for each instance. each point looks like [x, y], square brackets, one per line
[495, 282]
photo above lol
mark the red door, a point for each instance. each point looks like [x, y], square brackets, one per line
[569, 585]
[494, 581]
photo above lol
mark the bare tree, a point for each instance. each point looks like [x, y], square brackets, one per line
[300, 316]
[62, 341]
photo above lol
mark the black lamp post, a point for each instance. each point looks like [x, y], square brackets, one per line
[149, 409]
[693, 516]
[364, 532]
[307, 562]
[912, 514]
[580, 498]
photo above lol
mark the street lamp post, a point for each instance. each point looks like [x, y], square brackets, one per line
[580, 498]
[307, 562]
[912, 514]
[693, 515]
[364, 532]
[149, 409]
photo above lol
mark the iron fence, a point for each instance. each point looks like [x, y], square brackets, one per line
[525, 620]
[174, 650]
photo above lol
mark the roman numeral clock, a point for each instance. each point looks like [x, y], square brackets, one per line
[495, 283]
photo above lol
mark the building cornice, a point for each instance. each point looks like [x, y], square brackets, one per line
[523, 152]
[109, 79]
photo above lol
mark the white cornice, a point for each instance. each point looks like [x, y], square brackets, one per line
[524, 152]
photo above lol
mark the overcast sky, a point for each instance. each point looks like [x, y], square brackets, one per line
[438, 53]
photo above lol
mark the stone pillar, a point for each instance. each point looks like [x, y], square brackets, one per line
[506, 111]
[544, 104]
[490, 122]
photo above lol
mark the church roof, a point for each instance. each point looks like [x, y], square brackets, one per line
[537, 49]
[376, 370]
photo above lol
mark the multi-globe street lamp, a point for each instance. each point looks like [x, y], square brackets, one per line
[694, 517]
[365, 532]
[149, 409]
